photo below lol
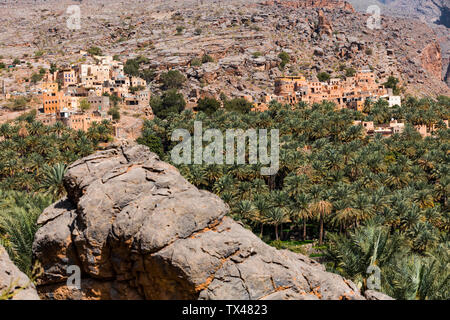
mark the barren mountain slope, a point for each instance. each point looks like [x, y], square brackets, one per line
[435, 13]
[244, 38]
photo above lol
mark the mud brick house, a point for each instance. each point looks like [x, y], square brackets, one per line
[67, 77]
[140, 98]
[49, 87]
[386, 130]
[53, 102]
[63, 91]
[83, 121]
[349, 93]
[100, 103]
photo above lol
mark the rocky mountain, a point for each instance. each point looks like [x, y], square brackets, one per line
[139, 230]
[432, 11]
[435, 13]
[14, 284]
[244, 38]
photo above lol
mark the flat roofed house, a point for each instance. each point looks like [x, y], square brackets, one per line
[100, 103]
[67, 77]
[137, 82]
[53, 102]
[349, 93]
[392, 100]
[83, 121]
[49, 87]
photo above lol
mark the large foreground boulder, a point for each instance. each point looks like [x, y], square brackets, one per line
[138, 230]
[14, 284]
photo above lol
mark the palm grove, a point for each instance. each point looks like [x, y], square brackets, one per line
[364, 200]
[33, 161]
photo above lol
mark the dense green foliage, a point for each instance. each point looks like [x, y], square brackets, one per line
[19, 212]
[392, 83]
[238, 105]
[405, 273]
[133, 67]
[169, 102]
[95, 51]
[323, 76]
[153, 142]
[208, 105]
[372, 200]
[285, 59]
[416, 112]
[33, 159]
[26, 145]
[172, 79]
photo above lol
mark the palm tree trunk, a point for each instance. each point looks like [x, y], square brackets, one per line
[321, 231]
[281, 231]
[304, 229]
[272, 182]
[262, 229]
[276, 232]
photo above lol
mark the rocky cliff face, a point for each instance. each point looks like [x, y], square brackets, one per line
[139, 230]
[13, 282]
[447, 74]
[435, 13]
[324, 26]
[432, 60]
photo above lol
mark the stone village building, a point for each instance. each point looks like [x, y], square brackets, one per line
[393, 127]
[351, 92]
[63, 91]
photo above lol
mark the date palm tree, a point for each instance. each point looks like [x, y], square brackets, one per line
[53, 180]
[320, 209]
[261, 205]
[18, 215]
[300, 206]
[276, 217]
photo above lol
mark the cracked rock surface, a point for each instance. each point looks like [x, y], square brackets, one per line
[14, 282]
[138, 230]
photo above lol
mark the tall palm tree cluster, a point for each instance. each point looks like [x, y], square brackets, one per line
[33, 161]
[415, 111]
[29, 150]
[19, 212]
[338, 186]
